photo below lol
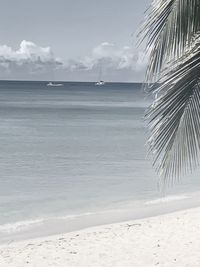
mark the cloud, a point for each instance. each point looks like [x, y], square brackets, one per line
[26, 51]
[28, 59]
[31, 61]
[112, 57]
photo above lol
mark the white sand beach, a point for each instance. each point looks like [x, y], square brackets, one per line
[166, 240]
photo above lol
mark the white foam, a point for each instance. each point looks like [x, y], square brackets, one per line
[166, 199]
[19, 226]
[71, 217]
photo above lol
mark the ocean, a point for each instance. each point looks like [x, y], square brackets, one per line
[75, 156]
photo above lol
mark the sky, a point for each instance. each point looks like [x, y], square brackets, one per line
[71, 40]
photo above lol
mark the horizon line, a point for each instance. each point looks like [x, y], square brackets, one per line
[65, 81]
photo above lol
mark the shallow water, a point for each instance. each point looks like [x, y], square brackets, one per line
[76, 149]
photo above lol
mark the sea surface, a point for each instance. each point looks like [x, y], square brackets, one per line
[75, 156]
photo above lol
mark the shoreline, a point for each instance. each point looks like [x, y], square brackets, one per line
[166, 240]
[42, 228]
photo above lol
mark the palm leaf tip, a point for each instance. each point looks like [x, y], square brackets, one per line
[174, 120]
[172, 31]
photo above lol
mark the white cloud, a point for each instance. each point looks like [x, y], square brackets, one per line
[112, 57]
[29, 50]
[31, 61]
[29, 58]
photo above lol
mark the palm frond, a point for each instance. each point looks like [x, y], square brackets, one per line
[174, 118]
[169, 28]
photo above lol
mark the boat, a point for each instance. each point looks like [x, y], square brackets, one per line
[54, 84]
[100, 83]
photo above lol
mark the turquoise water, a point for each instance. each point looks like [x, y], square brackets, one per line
[72, 150]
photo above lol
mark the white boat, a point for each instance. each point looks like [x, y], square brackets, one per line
[54, 84]
[100, 83]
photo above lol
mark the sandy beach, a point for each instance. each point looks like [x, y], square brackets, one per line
[166, 240]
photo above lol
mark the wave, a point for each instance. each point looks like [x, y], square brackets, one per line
[19, 226]
[24, 226]
[74, 216]
[166, 199]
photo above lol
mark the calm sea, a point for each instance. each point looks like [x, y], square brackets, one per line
[73, 151]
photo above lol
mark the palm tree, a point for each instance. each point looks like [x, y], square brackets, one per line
[172, 33]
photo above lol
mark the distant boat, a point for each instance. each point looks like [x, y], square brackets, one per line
[54, 84]
[100, 81]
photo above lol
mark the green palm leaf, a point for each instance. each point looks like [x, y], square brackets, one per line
[172, 30]
[170, 27]
[174, 119]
